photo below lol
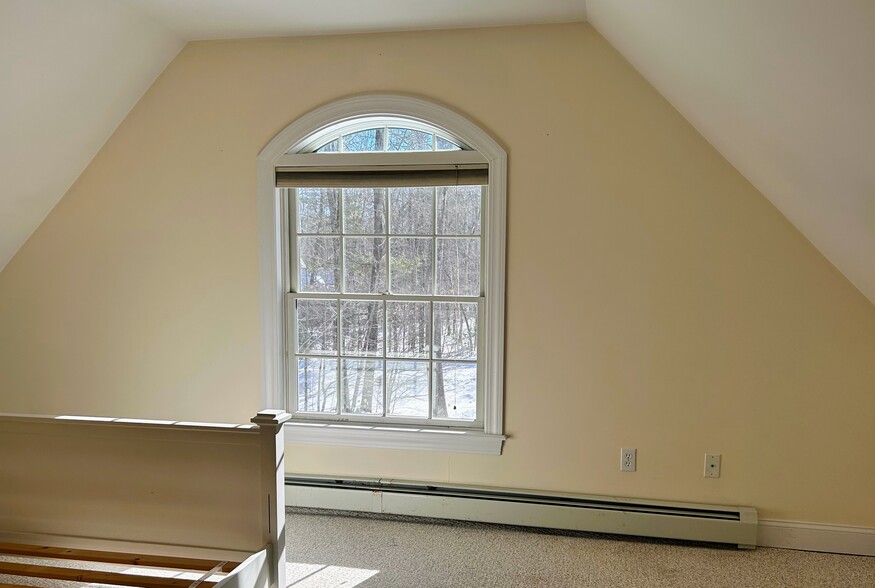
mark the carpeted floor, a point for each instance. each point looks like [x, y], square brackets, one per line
[330, 549]
[333, 549]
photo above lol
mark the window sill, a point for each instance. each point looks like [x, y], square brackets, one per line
[387, 437]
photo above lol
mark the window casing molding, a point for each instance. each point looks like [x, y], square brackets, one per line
[274, 254]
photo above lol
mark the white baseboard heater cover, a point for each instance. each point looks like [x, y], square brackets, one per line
[575, 512]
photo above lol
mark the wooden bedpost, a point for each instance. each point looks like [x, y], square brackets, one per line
[270, 425]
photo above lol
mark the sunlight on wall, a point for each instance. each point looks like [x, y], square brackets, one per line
[67, 417]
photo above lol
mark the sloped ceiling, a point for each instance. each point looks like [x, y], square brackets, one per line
[785, 90]
[216, 19]
[70, 70]
[69, 73]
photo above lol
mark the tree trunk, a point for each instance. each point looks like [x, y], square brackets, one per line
[374, 319]
[440, 400]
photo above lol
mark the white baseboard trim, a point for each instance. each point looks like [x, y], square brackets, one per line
[843, 539]
[816, 537]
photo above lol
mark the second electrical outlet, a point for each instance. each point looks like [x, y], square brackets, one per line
[627, 459]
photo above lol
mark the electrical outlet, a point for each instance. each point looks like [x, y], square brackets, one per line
[628, 457]
[712, 465]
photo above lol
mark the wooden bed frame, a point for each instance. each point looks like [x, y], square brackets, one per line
[185, 504]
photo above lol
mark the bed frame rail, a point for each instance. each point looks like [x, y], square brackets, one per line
[189, 572]
[159, 495]
[124, 559]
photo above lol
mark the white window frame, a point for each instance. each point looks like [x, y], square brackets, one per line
[275, 279]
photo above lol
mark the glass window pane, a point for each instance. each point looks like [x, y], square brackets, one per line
[407, 388]
[458, 267]
[455, 330]
[364, 265]
[317, 326]
[411, 265]
[369, 140]
[362, 386]
[364, 211]
[442, 144]
[409, 140]
[317, 210]
[455, 391]
[319, 264]
[411, 210]
[361, 327]
[458, 210]
[330, 147]
[407, 329]
[317, 384]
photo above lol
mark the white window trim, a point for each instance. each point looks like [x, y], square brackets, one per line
[389, 436]
[273, 259]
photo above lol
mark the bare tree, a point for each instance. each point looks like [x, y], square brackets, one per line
[434, 249]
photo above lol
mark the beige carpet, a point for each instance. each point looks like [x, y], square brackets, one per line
[333, 549]
[343, 550]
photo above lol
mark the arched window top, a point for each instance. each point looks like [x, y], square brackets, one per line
[379, 134]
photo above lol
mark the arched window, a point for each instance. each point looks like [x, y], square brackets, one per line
[375, 134]
[382, 221]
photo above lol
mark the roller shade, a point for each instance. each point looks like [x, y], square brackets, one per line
[383, 176]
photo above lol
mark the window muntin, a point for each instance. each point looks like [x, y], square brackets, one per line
[381, 134]
[379, 139]
[387, 310]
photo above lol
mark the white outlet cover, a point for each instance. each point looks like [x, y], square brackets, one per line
[628, 459]
[712, 465]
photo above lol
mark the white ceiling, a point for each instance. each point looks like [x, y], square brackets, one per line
[216, 19]
[69, 73]
[783, 88]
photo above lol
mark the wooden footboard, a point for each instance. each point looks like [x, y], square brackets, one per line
[206, 498]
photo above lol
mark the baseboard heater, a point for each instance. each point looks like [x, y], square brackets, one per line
[598, 514]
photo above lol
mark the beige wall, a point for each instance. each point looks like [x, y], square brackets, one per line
[655, 299]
